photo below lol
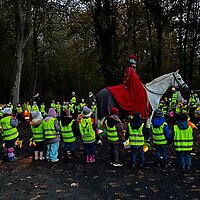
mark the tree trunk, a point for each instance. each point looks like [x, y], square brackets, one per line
[185, 41]
[159, 46]
[104, 23]
[193, 43]
[153, 71]
[21, 41]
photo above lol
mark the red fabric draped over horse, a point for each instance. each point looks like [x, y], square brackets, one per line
[131, 96]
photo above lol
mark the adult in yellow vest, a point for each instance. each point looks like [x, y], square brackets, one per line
[34, 107]
[28, 106]
[9, 132]
[183, 141]
[115, 135]
[72, 108]
[88, 132]
[80, 106]
[18, 108]
[52, 138]
[193, 98]
[176, 97]
[74, 98]
[58, 109]
[68, 128]
[18, 112]
[93, 107]
[43, 110]
[64, 106]
[9, 105]
[160, 136]
[53, 105]
[38, 134]
[135, 133]
[178, 108]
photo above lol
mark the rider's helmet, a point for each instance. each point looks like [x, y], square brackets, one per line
[132, 59]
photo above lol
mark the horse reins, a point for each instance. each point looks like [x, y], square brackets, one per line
[175, 79]
[152, 91]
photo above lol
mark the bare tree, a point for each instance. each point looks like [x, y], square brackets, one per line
[23, 24]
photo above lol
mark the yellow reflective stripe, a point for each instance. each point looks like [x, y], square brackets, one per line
[69, 131]
[8, 135]
[111, 130]
[136, 140]
[136, 135]
[7, 129]
[187, 141]
[66, 137]
[49, 129]
[50, 134]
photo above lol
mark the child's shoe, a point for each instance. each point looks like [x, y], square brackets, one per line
[56, 160]
[41, 155]
[87, 158]
[92, 159]
[36, 155]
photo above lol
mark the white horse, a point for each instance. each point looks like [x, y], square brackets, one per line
[156, 89]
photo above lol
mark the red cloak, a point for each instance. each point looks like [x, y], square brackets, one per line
[131, 95]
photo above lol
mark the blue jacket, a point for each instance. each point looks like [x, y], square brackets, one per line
[157, 122]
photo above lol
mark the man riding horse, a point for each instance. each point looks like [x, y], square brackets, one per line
[130, 96]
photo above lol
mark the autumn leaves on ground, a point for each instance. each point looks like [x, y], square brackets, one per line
[29, 179]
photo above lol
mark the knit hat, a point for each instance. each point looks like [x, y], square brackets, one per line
[182, 117]
[114, 111]
[86, 111]
[158, 113]
[52, 112]
[36, 115]
[7, 110]
[136, 116]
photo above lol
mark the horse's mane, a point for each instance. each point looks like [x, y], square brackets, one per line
[159, 79]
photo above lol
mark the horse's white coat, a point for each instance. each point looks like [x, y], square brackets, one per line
[156, 88]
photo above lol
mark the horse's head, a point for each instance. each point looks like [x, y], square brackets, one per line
[179, 82]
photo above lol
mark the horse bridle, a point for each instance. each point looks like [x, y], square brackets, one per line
[180, 86]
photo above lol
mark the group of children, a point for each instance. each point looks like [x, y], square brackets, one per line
[47, 132]
[181, 135]
[51, 131]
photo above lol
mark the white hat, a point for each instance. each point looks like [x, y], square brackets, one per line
[36, 115]
[86, 111]
[7, 111]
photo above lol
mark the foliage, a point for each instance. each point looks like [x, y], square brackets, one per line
[82, 45]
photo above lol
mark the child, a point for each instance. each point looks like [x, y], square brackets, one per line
[51, 129]
[38, 134]
[160, 135]
[183, 141]
[114, 131]
[9, 132]
[135, 133]
[87, 129]
[68, 127]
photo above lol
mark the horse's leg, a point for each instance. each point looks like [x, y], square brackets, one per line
[148, 122]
